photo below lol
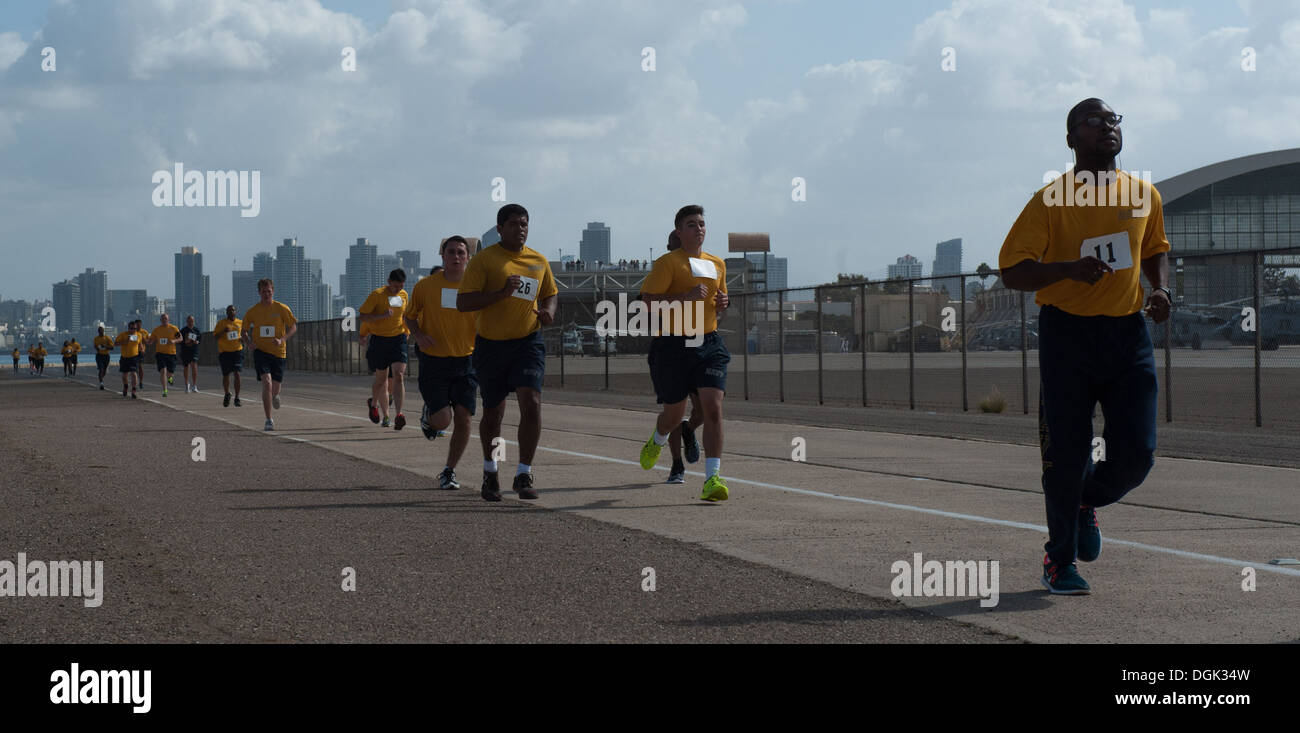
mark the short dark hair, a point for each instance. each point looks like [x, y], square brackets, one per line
[399, 275]
[505, 212]
[454, 238]
[265, 281]
[1076, 109]
[674, 241]
[686, 211]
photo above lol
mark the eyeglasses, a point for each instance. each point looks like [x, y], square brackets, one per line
[1097, 120]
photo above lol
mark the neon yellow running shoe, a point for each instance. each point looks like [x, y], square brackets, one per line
[650, 453]
[714, 489]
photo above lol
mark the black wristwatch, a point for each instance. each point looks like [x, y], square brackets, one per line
[1168, 293]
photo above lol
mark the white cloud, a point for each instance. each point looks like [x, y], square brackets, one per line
[12, 48]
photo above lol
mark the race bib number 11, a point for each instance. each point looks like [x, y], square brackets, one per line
[1113, 249]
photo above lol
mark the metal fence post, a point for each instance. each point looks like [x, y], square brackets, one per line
[744, 327]
[1257, 276]
[1169, 372]
[911, 347]
[862, 338]
[780, 341]
[965, 403]
[817, 293]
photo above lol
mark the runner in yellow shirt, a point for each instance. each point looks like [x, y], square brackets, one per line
[445, 337]
[268, 326]
[103, 349]
[144, 345]
[40, 357]
[17, 355]
[230, 352]
[31, 360]
[1082, 243]
[132, 343]
[513, 287]
[691, 355]
[382, 314]
[66, 352]
[76, 349]
[164, 338]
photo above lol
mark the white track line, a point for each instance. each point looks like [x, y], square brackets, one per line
[820, 494]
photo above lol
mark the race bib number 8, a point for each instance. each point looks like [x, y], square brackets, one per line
[266, 332]
[527, 289]
[1113, 249]
[449, 298]
[232, 335]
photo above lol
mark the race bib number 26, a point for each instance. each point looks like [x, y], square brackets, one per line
[527, 289]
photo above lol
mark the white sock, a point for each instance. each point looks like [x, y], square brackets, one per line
[523, 468]
[712, 466]
[660, 438]
[490, 466]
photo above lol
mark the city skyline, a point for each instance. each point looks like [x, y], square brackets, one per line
[780, 143]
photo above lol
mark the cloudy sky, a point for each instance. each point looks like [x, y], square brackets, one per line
[551, 96]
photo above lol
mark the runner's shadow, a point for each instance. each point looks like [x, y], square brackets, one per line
[1025, 600]
[805, 617]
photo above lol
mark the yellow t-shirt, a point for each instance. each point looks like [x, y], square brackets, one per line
[41, 352]
[165, 339]
[433, 306]
[1120, 235]
[269, 322]
[17, 354]
[103, 344]
[67, 351]
[511, 317]
[378, 302]
[678, 272]
[226, 332]
[132, 343]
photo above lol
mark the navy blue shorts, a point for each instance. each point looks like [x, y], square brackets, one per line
[128, 364]
[385, 351]
[447, 380]
[264, 363]
[230, 361]
[101, 361]
[189, 355]
[165, 361]
[503, 366]
[676, 369]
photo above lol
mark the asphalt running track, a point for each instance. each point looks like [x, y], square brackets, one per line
[249, 545]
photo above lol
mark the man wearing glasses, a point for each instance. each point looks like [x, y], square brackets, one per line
[1080, 253]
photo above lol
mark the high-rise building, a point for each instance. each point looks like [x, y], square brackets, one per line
[193, 296]
[361, 273]
[409, 260]
[243, 289]
[947, 261]
[263, 266]
[292, 278]
[908, 267]
[776, 273]
[594, 246]
[387, 263]
[94, 296]
[322, 306]
[126, 305]
[15, 312]
[67, 306]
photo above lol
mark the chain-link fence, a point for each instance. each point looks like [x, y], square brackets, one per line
[1228, 357]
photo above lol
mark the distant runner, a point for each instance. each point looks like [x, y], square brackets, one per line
[103, 354]
[190, 338]
[268, 326]
[230, 352]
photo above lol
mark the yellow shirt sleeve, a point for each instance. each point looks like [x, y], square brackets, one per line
[1029, 236]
